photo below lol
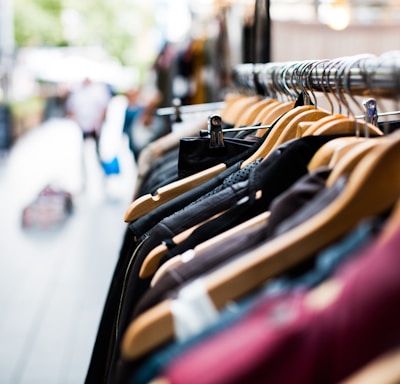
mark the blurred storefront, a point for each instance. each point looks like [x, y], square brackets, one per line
[192, 59]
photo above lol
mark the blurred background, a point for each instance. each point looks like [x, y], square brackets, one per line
[61, 210]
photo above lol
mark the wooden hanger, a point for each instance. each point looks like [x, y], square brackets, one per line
[303, 126]
[170, 264]
[249, 116]
[350, 160]
[341, 150]
[233, 103]
[291, 131]
[372, 188]
[346, 125]
[273, 136]
[392, 224]
[332, 151]
[324, 155]
[308, 128]
[318, 124]
[318, 118]
[146, 203]
[239, 108]
[229, 111]
[260, 219]
[339, 125]
[152, 260]
[230, 99]
[383, 370]
[266, 110]
[161, 380]
[256, 221]
[273, 113]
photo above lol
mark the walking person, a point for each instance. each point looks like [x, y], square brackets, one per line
[87, 106]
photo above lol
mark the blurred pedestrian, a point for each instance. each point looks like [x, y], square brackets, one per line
[87, 105]
[139, 116]
[133, 109]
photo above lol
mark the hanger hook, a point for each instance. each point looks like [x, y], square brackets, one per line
[340, 80]
[259, 86]
[241, 73]
[332, 67]
[266, 76]
[321, 83]
[246, 78]
[295, 82]
[356, 61]
[372, 68]
[290, 91]
[278, 82]
[306, 76]
[340, 76]
[250, 79]
[281, 92]
[345, 76]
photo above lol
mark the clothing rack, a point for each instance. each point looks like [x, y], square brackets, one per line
[169, 111]
[247, 219]
[360, 75]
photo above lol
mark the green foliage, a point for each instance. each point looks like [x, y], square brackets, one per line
[37, 22]
[117, 25]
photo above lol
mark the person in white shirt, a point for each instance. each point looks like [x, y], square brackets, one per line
[87, 105]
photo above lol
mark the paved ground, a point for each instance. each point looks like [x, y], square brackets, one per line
[53, 283]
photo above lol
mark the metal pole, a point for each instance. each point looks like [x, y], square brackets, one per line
[374, 76]
[262, 34]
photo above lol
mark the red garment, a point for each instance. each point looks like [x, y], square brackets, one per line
[290, 342]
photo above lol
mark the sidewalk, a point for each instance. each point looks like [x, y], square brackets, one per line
[53, 284]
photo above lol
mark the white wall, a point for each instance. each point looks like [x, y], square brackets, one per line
[296, 41]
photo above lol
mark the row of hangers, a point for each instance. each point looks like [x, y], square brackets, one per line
[333, 78]
[373, 185]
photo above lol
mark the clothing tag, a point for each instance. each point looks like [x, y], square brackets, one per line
[192, 311]
[187, 255]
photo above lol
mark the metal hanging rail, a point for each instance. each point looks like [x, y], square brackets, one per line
[362, 75]
[194, 108]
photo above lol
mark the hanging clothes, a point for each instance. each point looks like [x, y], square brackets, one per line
[271, 288]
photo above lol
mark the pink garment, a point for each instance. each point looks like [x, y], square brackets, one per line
[289, 342]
